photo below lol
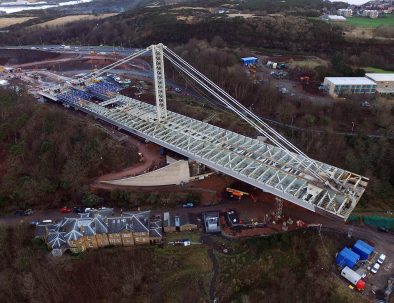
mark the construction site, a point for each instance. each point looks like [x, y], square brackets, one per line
[248, 186]
[128, 96]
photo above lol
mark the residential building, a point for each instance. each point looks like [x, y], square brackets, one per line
[370, 13]
[384, 82]
[87, 232]
[345, 12]
[179, 222]
[338, 86]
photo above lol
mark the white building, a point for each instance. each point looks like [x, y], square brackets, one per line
[373, 14]
[384, 82]
[345, 12]
[337, 86]
[336, 18]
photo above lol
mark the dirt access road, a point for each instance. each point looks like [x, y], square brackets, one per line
[151, 158]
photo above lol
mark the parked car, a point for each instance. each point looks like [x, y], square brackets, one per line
[188, 205]
[46, 221]
[383, 229]
[65, 210]
[375, 268]
[381, 258]
[23, 212]
[34, 223]
[79, 209]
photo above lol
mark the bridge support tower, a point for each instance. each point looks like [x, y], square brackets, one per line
[160, 84]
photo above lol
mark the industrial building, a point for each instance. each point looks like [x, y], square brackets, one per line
[384, 82]
[345, 12]
[249, 61]
[337, 86]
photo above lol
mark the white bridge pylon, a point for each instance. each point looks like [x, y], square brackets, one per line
[275, 165]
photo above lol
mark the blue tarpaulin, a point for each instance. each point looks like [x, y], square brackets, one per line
[363, 249]
[347, 257]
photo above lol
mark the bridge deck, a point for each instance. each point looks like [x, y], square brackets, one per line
[250, 160]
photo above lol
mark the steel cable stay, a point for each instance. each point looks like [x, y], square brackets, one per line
[292, 147]
[306, 164]
[243, 116]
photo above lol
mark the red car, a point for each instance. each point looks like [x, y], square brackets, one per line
[65, 210]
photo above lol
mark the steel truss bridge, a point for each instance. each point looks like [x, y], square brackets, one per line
[272, 164]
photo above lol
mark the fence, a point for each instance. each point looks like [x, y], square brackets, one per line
[377, 221]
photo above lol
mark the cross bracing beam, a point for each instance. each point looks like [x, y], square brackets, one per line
[250, 160]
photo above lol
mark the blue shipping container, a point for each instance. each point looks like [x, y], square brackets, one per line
[249, 60]
[363, 249]
[346, 257]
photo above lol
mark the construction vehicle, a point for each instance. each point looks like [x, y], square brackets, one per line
[236, 193]
[353, 278]
[305, 80]
[302, 224]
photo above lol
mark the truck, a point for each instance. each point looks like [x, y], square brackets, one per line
[353, 278]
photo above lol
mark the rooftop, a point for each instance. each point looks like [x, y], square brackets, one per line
[248, 58]
[336, 17]
[380, 77]
[350, 80]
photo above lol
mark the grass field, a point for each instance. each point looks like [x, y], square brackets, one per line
[73, 18]
[5, 22]
[377, 70]
[371, 23]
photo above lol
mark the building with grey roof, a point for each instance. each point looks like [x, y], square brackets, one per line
[384, 82]
[79, 234]
[211, 222]
[179, 222]
[338, 86]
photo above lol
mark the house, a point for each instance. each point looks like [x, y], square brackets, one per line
[155, 231]
[87, 232]
[132, 227]
[345, 12]
[179, 222]
[370, 13]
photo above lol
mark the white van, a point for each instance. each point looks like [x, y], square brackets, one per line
[381, 258]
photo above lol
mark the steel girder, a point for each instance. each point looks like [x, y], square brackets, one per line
[250, 160]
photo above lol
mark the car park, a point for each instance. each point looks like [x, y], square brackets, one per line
[381, 258]
[65, 210]
[375, 268]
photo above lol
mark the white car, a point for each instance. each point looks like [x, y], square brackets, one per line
[381, 258]
[375, 268]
